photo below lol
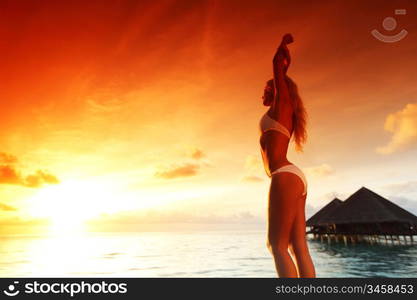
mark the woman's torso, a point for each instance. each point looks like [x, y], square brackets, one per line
[274, 144]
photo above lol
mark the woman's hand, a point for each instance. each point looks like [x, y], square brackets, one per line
[282, 58]
[287, 39]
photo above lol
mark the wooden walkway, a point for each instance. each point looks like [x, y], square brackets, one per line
[365, 238]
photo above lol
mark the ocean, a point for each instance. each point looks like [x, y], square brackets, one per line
[189, 254]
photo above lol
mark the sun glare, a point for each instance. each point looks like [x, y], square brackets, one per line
[69, 204]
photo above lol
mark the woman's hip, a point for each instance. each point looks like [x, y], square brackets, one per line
[292, 169]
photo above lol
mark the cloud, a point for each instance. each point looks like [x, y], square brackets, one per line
[406, 203]
[157, 216]
[403, 125]
[253, 166]
[10, 175]
[13, 225]
[196, 153]
[107, 106]
[320, 170]
[402, 193]
[404, 187]
[252, 178]
[6, 207]
[310, 210]
[40, 178]
[253, 163]
[7, 158]
[185, 170]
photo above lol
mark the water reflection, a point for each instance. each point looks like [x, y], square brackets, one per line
[365, 260]
[189, 254]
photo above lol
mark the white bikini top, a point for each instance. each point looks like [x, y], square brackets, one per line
[267, 123]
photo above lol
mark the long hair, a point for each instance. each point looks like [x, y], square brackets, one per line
[299, 117]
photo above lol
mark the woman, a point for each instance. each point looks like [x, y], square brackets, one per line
[286, 116]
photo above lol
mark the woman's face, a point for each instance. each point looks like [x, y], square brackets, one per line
[268, 96]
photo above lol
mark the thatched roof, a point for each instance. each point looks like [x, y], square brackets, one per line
[363, 206]
[324, 212]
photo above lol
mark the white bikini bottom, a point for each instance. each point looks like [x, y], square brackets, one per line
[295, 170]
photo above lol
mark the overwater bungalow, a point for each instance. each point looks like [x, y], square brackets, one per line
[364, 216]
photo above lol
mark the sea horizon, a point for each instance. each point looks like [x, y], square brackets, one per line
[192, 253]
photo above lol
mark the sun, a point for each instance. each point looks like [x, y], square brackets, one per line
[70, 204]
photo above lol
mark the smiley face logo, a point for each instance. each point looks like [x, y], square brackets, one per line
[11, 289]
[390, 24]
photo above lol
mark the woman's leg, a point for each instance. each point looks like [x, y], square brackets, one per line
[283, 196]
[299, 243]
[294, 258]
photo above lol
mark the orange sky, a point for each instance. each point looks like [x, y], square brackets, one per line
[147, 111]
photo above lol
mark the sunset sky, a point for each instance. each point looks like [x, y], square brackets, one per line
[127, 115]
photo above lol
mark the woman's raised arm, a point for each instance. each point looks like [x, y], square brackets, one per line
[280, 64]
